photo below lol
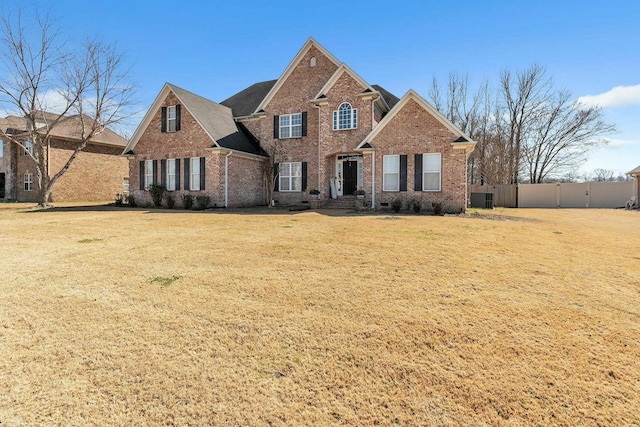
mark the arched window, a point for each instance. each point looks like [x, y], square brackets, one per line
[345, 117]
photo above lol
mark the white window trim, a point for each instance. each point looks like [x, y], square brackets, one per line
[28, 182]
[171, 121]
[148, 173]
[290, 127]
[290, 178]
[194, 172]
[28, 145]
[386, 174]
[171, 177]
[353, 119]
[125, 185]
[425, 156]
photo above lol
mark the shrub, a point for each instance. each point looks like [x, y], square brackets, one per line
[202, 201]
[187, 201]
[171, 201]
[437, 208]
[120, 198]
[132, 201]
[396, 205]
[417, 205]
[157, 193]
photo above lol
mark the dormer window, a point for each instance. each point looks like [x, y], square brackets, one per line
[345, 117]
[170, 118]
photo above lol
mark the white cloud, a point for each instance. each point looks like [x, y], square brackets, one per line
[619, 96]
[614, 143]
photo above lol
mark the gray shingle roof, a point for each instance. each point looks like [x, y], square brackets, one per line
[218, 121]
[390, 98]
[246, 101]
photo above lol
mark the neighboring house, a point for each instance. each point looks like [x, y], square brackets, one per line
[319, 126]
[98, 173]
[636, 174]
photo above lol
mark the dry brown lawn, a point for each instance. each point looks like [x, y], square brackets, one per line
[136, 317]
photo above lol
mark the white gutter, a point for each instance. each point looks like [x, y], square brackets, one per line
[373, 180]
[319, 187]
[226, 179]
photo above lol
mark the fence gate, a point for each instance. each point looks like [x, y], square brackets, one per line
[575, 195]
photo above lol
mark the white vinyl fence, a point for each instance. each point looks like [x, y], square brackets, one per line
[581, 195]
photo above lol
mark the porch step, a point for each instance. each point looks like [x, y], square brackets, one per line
[344, 202]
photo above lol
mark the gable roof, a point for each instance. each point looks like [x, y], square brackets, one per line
[462, 140]
[343, 68]
[67, 128]
[303, 51]
[636, 171]
[245, 102]
[389, 98]
[215, 119]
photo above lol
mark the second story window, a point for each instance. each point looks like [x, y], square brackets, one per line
[291, 125]
[28, 147]
[170, 118]
[345, 117]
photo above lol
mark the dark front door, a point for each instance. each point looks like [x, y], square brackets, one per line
[1, 186]
[350, 170]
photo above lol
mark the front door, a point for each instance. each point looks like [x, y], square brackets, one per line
[2, 186]
[350, 171]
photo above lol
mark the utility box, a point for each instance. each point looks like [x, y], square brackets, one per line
[482, 200]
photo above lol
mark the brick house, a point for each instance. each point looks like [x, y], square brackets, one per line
[319, 126]
[98, 173]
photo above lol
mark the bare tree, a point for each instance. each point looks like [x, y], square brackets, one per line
[271, 170]
[525, 128]
[562, 134]
[602, 175]
[90, 81]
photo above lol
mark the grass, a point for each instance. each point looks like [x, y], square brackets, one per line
[504, 317]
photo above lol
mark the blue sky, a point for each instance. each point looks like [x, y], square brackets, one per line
[217, 48]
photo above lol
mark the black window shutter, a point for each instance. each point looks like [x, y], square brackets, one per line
[177, 117]
[177, 174]
[142, 174]
[155, 171]
[417, 179]
[202, 173]
[163, 172]
[304, 176]
[304, 124]
[276, 127]
[276, 176]
[163, 127]
[403, 172]
[186, 173]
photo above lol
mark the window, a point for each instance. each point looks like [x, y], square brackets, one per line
[431, 171]
[28, 182]
[28, 147]
[171, 174]
[148, 173]
[125, 185]
[194, 181]
[171, 118]
[391, 173]
[1, 148]
[345, 117]
[291, 125]
[290, 178]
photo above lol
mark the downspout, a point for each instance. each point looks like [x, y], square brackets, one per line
[319, 155]
[226, 179]
[373, 158]
[373, 179]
